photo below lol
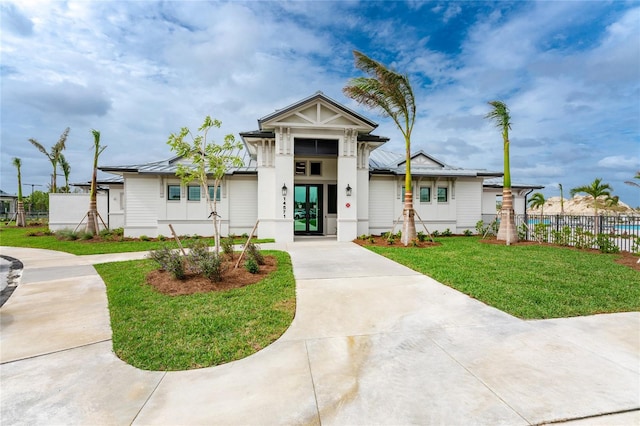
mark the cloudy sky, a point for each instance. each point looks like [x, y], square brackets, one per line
[139, 70]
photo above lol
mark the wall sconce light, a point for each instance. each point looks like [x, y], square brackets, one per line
[284, 190]
[348, 190]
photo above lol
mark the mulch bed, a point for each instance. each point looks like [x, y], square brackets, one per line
[382, 242]
[165, 283]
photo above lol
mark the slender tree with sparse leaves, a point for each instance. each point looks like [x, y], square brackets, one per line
[53, 156]
[507, 231]
[93, 226]
[208, 160]
[390, 93]
[20, 216]
[66, 170]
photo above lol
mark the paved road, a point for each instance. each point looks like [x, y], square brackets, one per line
[372, 343]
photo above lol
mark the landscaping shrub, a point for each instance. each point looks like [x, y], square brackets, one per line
[85, 235]
[253, 251]
[583, 239]
[562, 237]
[118, 232]
[144, 238]
[169, 260]
[422, 237]
[227, 246]
[540, 232]
[468, 233]
[606, 244]
[161, 237]
[66, 235]
[212, 267]
[447, 233]
[251, 265]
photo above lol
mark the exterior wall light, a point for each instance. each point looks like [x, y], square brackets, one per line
[348, 190]
[284, 190]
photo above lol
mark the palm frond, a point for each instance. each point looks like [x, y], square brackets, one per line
[40, 148]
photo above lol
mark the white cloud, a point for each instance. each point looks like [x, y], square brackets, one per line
[620, 162]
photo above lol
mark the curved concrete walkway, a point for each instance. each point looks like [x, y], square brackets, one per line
[372, 343]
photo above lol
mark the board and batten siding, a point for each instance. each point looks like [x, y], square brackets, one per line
[469, 203]
[142, 195]
[243, 204]
[381, 204]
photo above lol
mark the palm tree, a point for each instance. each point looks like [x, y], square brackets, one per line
[636, 184]
[20, 219]
[54, 156]
[92, 215]
[537, 200]
[507, 231]
[390, 93]
[596, 189]
[66, 169]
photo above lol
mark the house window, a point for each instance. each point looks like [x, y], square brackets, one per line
[443, 194]
[173, 192]
[301, 168]
[217, 193]
[194, 193]
[425, 194]
[316, 169]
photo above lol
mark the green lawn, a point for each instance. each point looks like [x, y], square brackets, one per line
[530, 282]
[18, 237]
[153, 331]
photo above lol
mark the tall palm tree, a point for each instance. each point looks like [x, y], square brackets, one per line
[92, 215]
[507, 231]
[66, 170]
[20, 219]
[54, 155]
[537, 201]
[391, 94]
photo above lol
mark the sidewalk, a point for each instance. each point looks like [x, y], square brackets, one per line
[372, 342]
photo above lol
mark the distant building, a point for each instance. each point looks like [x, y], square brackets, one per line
[8, 204]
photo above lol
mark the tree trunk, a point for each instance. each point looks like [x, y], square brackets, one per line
[92, 218]
[20, 216]
[507, 231]
[409, 221]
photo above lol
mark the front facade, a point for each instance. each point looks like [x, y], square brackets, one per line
[312, 168]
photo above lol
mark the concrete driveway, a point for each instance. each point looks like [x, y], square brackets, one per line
[372, 342]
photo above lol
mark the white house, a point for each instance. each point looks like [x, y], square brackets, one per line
[312, 168]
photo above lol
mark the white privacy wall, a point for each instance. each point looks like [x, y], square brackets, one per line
[67, 211]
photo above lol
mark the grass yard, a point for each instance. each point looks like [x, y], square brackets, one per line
[527, 281]
[153, 331]
[18, 237]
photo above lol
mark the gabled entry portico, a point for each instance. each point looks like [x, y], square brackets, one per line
[307, 155]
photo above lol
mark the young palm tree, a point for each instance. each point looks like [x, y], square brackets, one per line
[537, 200]
[595, 189]
[507, 231]
[92, 215]
[54, 156]
[20, 219]
[391, 94]
[66, 169]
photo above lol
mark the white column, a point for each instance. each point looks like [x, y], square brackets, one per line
[282, 212]
[347, 176]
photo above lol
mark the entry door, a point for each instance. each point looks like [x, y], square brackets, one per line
[307, 213]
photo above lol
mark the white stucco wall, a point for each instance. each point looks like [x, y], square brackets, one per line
[67, 211]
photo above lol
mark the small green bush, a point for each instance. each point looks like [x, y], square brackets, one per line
[435, 234]
[66, 235]
[105, 234]
[415, 242]
[85, 235]
[606, 244]
[169, 260]
[161, 237]
[245, 235]
[144, 238]
[468, 233]
[118, 232]
[227, 246]
[447, 233]
[253, 252]
[422, 237]
[251, 265]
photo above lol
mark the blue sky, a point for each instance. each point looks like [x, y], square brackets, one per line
[139, 70]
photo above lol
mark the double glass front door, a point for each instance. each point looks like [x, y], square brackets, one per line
[307, 213]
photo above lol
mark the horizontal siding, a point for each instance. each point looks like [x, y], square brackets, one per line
[381, 202]
[243, 202]
[142, 201]
[469, 203]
